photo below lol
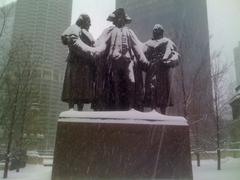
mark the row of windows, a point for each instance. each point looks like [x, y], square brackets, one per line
[50, 75]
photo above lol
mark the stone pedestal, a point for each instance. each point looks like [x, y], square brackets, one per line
[121, 145]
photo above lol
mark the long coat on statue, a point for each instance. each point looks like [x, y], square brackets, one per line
[119, 61]
[79, 75]
[163, 57]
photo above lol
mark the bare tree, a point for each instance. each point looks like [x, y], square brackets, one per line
[19, 91]
[5, 14]
[3, 17]
[219, 71]
[193, 82]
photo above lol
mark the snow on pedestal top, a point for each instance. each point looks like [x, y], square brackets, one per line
[121, 117]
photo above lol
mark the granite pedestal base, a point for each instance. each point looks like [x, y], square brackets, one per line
[126, 145]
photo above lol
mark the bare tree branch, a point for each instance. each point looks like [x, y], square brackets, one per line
[4, 15]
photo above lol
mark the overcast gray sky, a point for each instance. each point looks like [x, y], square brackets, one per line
[98, 10]
[224, 27]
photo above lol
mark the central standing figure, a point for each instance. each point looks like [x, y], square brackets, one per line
[119, 60]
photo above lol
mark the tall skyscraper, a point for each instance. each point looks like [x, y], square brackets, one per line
[237, 65]
[235, 101]
[40, 23]
[185, 22]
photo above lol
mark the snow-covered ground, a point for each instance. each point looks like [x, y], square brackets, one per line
[207, 171]
[31, 172]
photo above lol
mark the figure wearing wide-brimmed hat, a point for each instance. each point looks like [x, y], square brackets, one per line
[119, 18]
[79, 75]
[119, 60]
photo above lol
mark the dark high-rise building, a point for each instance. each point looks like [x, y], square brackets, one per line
[40, 23]
[237, 65]
[235, 101]
[186, 23]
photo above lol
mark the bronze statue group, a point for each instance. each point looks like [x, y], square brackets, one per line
[108, 73]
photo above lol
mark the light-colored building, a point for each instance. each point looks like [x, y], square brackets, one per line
[40, 23]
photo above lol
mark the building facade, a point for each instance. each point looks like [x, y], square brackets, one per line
[237, 66]
[40, 23]
[186, 23]
[235, 101]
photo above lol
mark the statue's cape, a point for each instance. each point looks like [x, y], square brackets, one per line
[165, 49]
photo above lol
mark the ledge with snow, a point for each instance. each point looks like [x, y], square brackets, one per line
[121, 145]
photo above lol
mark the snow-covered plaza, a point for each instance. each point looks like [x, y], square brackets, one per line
[207, 171]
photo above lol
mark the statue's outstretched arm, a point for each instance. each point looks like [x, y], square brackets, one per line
[79, 47]
[138, 47]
